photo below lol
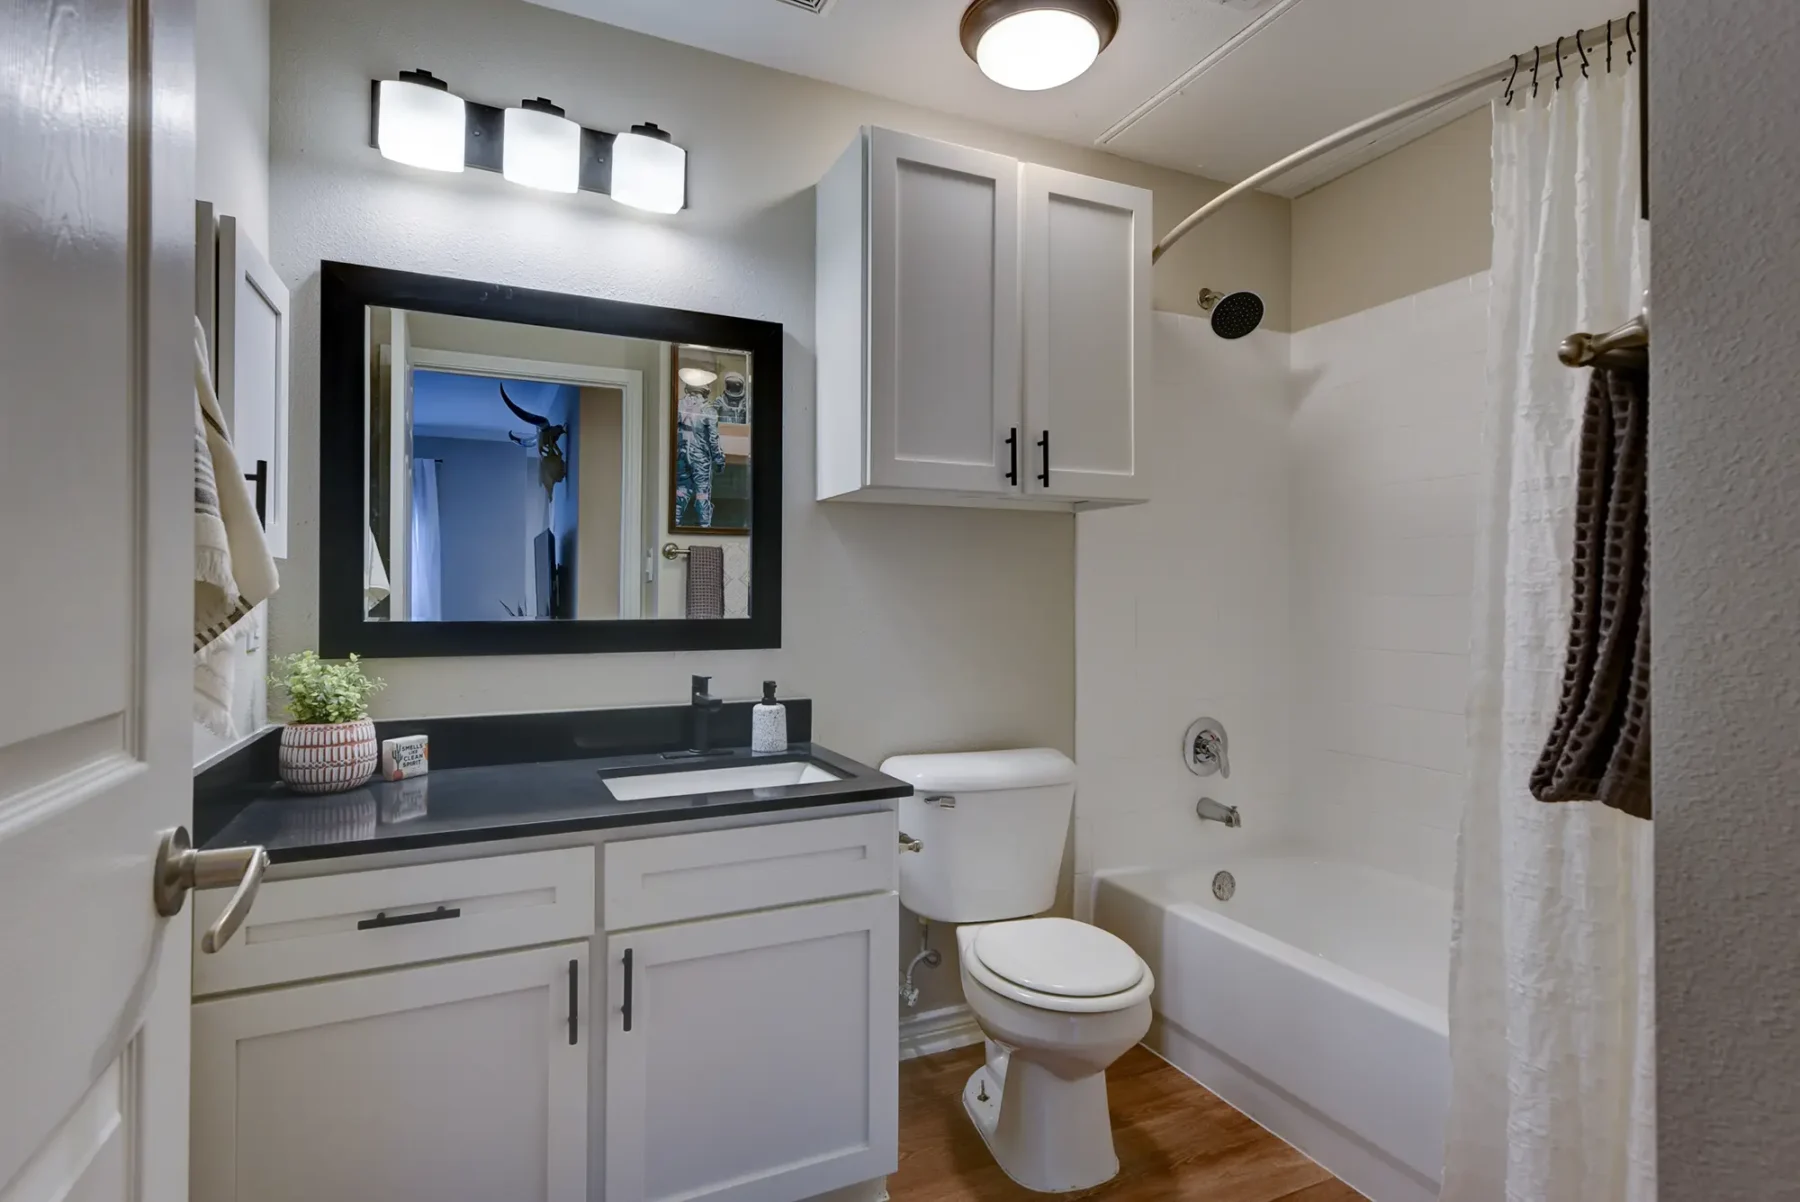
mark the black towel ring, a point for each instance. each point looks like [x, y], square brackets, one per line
[1630, 41]
[1581, 50]
[1509, 81]
[1537, 58]
[1559, 70]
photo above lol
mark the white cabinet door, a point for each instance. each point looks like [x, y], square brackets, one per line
[1086, 263]
[463, 1080]
[753, 1058]
[943, 315]
[252, 373]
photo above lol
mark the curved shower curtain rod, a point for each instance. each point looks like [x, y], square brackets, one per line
[1501, 72]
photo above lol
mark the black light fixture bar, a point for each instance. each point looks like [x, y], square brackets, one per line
[484, 141]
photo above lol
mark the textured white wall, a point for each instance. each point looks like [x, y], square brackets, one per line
[231, 110]
[1386, 445]
[1725, 578]
[1182, 612]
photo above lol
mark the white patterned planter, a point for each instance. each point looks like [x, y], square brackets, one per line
[329, 757]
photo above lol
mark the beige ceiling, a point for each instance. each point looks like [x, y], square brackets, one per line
[1218, 89]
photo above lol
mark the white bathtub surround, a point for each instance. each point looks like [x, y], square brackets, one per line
[1181, 611]
[1386, 446]
[1552, 994]
[1313, 1001]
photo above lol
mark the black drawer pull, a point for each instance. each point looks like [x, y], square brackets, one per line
[407, 920]
[574, 998]
[625, 1009]
[1044, 442]
[1012, 448]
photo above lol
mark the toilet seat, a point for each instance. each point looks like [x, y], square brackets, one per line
[1057, 964]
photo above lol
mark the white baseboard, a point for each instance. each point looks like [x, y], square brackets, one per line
[937, 1031]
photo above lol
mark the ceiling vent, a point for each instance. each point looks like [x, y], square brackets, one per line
[817, 8]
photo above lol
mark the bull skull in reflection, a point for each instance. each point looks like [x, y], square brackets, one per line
[553, 469]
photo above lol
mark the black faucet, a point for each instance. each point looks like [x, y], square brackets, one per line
[705, 706]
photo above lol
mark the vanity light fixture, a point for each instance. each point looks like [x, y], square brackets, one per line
[1031, 45]
[419, 122]
[648, 170]
[541, 148]
[416, 120]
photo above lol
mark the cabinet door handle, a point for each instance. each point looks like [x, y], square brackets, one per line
[406, 920]
[626, 1008]
[1012, 450]
[574, 998]
[1044, 445]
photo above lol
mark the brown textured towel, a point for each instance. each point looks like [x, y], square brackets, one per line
[1599, 747]
[706, 582]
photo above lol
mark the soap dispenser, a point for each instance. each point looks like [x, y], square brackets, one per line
[768, 723]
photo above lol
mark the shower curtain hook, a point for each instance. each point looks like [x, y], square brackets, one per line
[1537, 58]
[1559, 70]
[1582, 50]
[1630, 41]
[1609, 45]
[1509, 81]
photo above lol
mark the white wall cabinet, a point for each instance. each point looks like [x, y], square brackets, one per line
[753, 1058]
[983, 329]
[466, 1079]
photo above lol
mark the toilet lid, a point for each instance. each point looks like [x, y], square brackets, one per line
[1059, 956]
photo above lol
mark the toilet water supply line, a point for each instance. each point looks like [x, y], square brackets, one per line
[930, 956]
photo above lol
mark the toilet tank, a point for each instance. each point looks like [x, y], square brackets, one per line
[992, 825]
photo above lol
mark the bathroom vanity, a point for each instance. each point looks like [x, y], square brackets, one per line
[622, 977]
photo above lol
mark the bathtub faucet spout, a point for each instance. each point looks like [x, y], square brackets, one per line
[1212, 811]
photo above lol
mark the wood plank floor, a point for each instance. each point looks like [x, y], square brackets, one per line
[1177, 1143]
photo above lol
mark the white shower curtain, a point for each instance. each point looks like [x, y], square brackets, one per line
[1551, 1020]
[425, 592]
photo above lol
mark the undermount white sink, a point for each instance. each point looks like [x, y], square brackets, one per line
[690, 781]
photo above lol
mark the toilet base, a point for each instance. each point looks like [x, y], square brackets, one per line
[1049, 1134]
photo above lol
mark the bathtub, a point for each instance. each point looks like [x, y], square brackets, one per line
[1313, 1000]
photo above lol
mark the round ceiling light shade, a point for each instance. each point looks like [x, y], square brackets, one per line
[1031, 45]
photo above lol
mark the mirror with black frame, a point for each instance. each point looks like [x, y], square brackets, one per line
[510, 471]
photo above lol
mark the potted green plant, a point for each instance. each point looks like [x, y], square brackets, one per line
[329, 743]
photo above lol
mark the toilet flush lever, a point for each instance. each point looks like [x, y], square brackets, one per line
[908, 843]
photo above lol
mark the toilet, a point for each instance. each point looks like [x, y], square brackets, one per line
[1058, 1000]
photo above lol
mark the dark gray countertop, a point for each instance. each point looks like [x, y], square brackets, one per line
[504, 801]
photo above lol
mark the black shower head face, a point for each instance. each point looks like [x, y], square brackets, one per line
[1237, 315]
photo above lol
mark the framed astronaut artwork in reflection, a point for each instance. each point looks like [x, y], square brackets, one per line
[709, 440]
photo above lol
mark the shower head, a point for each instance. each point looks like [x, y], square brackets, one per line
[1233, 316]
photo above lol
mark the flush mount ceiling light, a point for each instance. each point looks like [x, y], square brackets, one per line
[697, 377]
[542, 148]
[419, 122]
[649, 171]
[1031, 45]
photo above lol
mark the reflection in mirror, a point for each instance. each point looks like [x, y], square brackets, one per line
[530, 473]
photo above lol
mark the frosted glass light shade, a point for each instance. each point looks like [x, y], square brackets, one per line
[541, 150]
[1037, 49]
[420, 126]
[648, 171]
[697, 377]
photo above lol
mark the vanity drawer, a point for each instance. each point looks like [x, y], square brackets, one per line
[325, 926]
[674, 878]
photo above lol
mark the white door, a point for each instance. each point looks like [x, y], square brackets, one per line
[400, 459]
[96, 534]
[461, 1080]
[753, 1058]
[253, 373]
[943, 315]
[1086, 266]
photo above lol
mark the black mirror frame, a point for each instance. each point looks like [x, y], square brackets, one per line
[347, 291]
